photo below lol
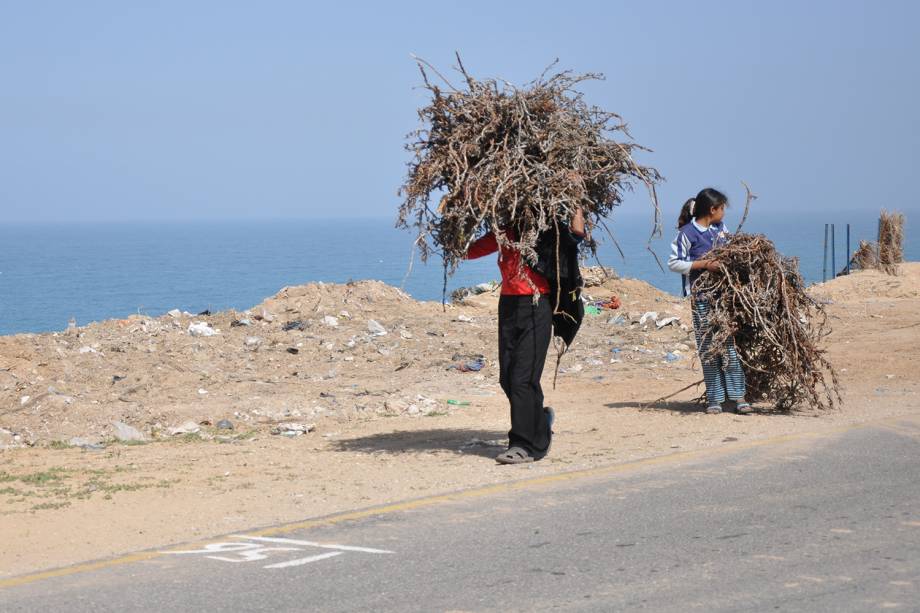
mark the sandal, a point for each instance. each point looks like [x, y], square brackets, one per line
[514, 455]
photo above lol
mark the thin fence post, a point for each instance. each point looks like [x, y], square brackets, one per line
[833, 253]
[824, 274]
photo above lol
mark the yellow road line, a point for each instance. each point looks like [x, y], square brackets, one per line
[479, 492]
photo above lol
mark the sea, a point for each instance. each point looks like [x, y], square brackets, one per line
[51, 273]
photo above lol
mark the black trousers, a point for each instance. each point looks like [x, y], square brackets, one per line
[524, 331]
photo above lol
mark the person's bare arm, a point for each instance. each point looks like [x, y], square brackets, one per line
[578, 222]
[711, 265]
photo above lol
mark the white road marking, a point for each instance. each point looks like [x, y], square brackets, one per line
[302, 561]
[287, 541]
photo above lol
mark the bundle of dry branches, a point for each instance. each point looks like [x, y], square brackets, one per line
[890, 242]
[865, 257]
[888, 252]
[501, 157]
[758, 297]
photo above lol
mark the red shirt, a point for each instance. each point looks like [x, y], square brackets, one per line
[514, 281]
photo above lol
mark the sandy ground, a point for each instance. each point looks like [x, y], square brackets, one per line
[384, 431]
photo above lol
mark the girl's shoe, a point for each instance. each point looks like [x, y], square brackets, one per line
[714, 409]
[744, 408]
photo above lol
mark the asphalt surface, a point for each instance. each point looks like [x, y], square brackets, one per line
[815, 523]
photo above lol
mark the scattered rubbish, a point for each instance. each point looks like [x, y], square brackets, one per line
[459, 403]
[200, 328]
[87, 349]
[293, 350]
[224, 424]
[611, 303]
[648, 315]
[71, 324]
[175, 313]
[202, 391]
[889, 376]
[292, 429]
[618, 320]
[253, 342]
[117, 378]
[462, 293]
[24, 400]
[591, 309]
[661, 323]
[729, 439]
[671, 357]
[473, 364]
[464, 318]
[332, 322]
[126, 433]
[344, 314]
[265, 316]
[205, 313]
[236, 323]
[375, 328]
[405, 334]
[294, 325]
[188, 427]
[616, 350]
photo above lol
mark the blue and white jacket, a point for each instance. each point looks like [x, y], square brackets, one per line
[693, 242]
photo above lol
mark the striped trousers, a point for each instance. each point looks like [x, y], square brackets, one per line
[724, 375]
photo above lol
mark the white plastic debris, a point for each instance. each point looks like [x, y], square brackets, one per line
[667, 321]
[87, 349]
[648, 315]
[331, 321]
[375, 328]
[253, 342]
[293, 429]
[201, 328]
[175, 313]
[464, 318]
[188, 427]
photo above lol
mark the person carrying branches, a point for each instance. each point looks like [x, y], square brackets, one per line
[700, 230]
[526, 310]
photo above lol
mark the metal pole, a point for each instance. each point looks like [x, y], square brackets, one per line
[833, 253]
[824, 275]
[849, 253]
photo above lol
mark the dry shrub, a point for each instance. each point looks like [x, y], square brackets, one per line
[888, 251]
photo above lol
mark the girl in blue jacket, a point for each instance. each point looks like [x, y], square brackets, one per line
[700, 229]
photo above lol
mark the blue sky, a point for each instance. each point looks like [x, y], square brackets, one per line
[226, 110]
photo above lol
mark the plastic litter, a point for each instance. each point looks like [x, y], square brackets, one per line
[375, 328]
[661, 323]
[297, 324]
[670, 357]
[459, 403]
[201, 328]
[648, 315]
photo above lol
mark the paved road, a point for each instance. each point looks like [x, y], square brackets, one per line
[811, 523]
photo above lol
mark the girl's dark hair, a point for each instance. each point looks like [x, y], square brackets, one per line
[705, 201]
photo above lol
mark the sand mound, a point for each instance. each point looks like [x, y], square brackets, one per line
[307, 354]
[865, 285]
